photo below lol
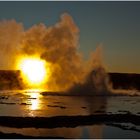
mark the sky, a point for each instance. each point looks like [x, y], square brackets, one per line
[116, 25]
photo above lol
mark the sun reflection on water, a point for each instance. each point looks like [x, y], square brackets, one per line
[35, 100]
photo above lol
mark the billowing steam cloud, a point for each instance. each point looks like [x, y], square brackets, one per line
[58, 45]
[10, 37]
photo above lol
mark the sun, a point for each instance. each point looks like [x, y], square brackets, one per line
[34, 70]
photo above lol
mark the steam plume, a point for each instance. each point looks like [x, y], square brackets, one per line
[10, 36]
[58, 45]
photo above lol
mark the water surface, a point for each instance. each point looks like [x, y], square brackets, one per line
[34, 104]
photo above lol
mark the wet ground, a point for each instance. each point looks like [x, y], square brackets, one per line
[38, 115]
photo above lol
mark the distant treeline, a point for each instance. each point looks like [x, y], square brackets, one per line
[125, 80]
[11, 79]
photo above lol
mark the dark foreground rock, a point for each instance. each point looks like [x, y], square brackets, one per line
[19, 136]
[68, 121]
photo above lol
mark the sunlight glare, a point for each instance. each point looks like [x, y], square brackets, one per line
[34, 70]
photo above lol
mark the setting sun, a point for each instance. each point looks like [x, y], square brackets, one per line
[34, 70]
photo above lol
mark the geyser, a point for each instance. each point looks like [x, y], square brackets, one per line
[57, 46]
